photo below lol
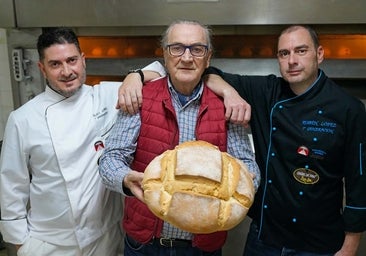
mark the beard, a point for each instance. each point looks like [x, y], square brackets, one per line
[68, 92]
[65, 93]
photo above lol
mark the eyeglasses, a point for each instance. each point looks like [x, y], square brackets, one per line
[197, 50]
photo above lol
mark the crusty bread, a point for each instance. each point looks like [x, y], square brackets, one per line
[198, 188]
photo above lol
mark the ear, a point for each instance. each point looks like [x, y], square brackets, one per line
[209, 55]
[165, 57]
[320, 54]
[42, 69]
[83, 59]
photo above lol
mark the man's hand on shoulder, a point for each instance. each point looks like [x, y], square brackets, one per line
[130, 94]
[238, 111]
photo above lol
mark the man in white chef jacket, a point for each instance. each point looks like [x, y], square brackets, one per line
[52, 198]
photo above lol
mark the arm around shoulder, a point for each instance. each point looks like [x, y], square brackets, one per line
[130, 93]
[237, 109]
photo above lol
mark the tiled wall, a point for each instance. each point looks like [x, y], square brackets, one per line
[6, 96]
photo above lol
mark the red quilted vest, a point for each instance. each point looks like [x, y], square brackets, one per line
[159, 132]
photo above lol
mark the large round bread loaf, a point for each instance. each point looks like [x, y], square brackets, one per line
[198, 188]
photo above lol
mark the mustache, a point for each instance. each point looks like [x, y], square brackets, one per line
[68, 79]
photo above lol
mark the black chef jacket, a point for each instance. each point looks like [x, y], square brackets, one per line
[306, 147]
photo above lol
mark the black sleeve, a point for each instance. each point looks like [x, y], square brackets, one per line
[235, 80]
[355, 169]
[251, 88]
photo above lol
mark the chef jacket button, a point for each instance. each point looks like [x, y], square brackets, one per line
[294, 220]
[273, 154]
[270, 181]
[274, 128]
[280, 106]
[307, 166]
[320, 112]
[315, 139]
[301, 193]
[265, 206]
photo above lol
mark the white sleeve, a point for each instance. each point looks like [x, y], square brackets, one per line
[14, 186]
[156, 67]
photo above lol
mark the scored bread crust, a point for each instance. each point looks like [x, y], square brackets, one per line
[198, 188]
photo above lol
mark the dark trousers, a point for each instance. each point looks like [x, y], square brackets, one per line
[134, 248]
[256, 247]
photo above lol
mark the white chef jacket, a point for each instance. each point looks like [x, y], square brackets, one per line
[50, 188]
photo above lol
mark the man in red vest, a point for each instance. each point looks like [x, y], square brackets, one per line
[177, 108]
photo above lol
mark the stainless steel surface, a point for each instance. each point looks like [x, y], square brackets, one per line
[96, 13]
[32, 83]
[7, 15]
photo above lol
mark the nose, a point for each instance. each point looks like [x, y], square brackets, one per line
[66, 70]
[187, 54]
[292, 58]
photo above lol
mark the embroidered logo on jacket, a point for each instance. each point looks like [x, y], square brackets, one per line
[302, 150]
[319, 126]
[99, 145]
[306, 176]
[101, 113]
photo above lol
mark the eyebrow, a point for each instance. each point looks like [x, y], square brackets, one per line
[68, 58]
[296, 48]
[302, 46]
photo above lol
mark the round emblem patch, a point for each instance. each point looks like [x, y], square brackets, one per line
[306, 176]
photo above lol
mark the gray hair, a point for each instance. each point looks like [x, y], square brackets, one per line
[206, 29]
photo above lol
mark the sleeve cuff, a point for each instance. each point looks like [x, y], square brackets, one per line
[354, 219]
[212, 71]
[126, 191]
[156, 67]
[14, 231]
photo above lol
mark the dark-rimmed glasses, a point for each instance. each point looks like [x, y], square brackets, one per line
[197, 50]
